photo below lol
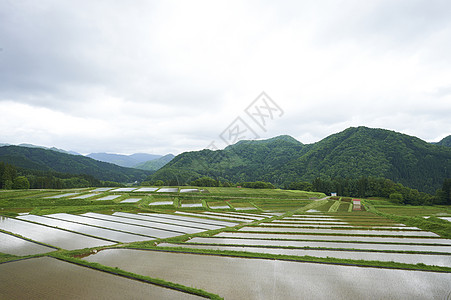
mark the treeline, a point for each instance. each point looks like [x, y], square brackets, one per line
[206, 181]
[366, 187]
[12, 177]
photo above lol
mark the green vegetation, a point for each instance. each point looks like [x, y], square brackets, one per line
[445, 141]
[49, 162]
[155, 164]
[350, 154]
[414, 217]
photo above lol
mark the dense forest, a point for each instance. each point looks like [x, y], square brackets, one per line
[52, 161]
[20, 178]
[350, 154]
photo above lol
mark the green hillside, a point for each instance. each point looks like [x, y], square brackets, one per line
[352, 153]
[445, 141]
[48, 160]
[155, 164]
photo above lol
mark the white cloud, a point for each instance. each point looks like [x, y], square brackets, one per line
[170, 76]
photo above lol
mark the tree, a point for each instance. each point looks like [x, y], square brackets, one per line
[443, 195]
[396, 198]
[205, 181]
[159, 183]
[21, 183]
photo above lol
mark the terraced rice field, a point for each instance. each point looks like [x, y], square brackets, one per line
[131, 200]
[109, 197]
[49, 278]
[13, 245]
[266, 245]
[240, 278]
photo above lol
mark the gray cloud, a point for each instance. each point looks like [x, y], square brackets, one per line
[170, 76]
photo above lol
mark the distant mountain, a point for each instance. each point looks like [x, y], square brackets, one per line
[445, 141]
[352, 153]
[128, 161]
[156, 164]
[42, 147]
[36, 158]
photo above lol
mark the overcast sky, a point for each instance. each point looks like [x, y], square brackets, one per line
[172, 76]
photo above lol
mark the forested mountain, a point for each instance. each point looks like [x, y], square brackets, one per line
[156, 164]
[352, 153]
[48, 160]
[129, 161]
[445, 141]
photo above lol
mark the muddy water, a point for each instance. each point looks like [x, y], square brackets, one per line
[337, 238]
[427, 259]
[51, 236]
[340, 231]
[85, 229]
[167, 221]
[13, 245]
[361, 246]
[240, 278]
[49, 278]
[119, 219]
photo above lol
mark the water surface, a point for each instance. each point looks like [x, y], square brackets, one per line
[240, 278]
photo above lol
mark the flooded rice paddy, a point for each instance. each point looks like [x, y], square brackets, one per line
[319, 225]
[13, 245]
[235, 215]
[167, 221]
[193, 217]
[131, 200]
[145, 189]
[340, 231]
[427, 259]
[112, 235]
[62, 195]
[191, 205]
[51, 236]
[49, 278]
[324, 244]
[85, 196]
[240, 278]
[124, 190]
[369, 239]
[168, 190]
[189, 190]
[102, 189]
[162, 203]
[109, 197]
[178, 229]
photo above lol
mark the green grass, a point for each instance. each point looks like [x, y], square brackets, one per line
[433, 224]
